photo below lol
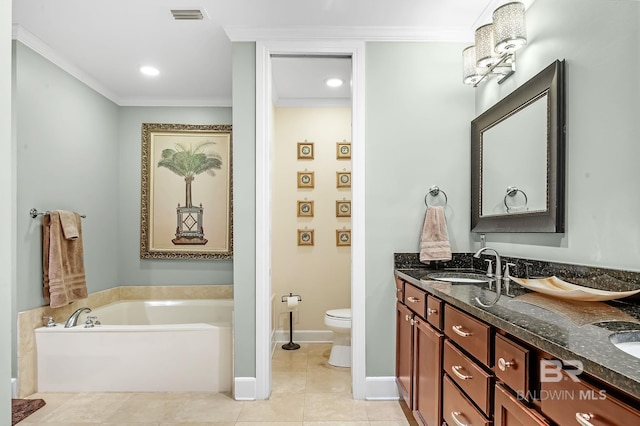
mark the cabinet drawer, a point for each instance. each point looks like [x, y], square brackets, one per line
[512, 364]
[472, 379]
[471, 334]
[399, 289]
[568, 402]
[510, 411]
[416, 300]
[434, 312]
[456, 408]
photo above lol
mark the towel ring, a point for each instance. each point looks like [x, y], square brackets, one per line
[512, 191]
[434, 191]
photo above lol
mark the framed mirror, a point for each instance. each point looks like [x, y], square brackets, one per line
[518, 156]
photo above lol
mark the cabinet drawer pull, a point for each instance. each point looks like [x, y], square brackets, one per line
[431, 311]
[398, 290]
[456, 370]
[455, 415]
[413, 299]
[583, 419]
[406, 318]
[503, 365]
[458, 330]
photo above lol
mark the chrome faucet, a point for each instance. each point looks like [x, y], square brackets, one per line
[498, 273]
[73, 319]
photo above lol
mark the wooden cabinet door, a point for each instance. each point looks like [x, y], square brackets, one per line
[404, 352]
[509, 411]
[427, 367]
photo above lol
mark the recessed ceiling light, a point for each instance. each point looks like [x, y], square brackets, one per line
[149, 70]
[333, 82]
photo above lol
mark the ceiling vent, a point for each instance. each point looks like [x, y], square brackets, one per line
[190, 14]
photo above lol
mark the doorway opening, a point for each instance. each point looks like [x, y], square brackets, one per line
[267, 56]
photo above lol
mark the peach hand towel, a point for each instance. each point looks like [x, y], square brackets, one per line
[69, 224]
[63, 262]
[434, 241]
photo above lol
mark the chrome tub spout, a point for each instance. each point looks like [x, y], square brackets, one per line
[73, 319]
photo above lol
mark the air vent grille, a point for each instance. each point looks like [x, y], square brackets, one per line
[189, 14]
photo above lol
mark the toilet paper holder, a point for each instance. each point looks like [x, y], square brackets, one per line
[291, 346]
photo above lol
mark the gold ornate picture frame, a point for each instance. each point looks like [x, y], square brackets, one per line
[343, 237]
[305, 150]
[305, 237]
[305, 208]
[343, 208]
[306, 180]
[188, 166]
[343, 150]
[343, 179]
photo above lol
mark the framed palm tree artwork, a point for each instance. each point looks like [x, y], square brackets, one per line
[186, 210]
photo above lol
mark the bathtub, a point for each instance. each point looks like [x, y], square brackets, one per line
[140, 346]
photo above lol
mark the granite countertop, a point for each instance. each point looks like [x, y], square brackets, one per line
[566, 329]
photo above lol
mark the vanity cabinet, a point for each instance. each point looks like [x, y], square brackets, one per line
[418, 357]
[574, 399]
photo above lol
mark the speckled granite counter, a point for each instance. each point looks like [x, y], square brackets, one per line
[565, 329]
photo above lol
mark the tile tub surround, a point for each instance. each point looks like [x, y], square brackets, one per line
[570, 331]
[31, 319]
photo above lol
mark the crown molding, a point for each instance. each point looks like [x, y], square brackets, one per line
[439, 34]
[19, 33]
[312, 103]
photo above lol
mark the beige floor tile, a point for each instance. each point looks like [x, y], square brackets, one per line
[384, 410]
[286, 382]
[281, 407]
[268, 424]
[148, 407]
[90, 407]
[333, 380]
[52, 402]
[198, 424]
[391, 423]
[207, 408]
[333, 407]
[290, 362]
[336, 424]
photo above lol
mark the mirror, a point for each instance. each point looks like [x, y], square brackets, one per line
[517, 159]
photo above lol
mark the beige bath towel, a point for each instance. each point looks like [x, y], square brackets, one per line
[63, 263]
[434, 241]
[69, 224]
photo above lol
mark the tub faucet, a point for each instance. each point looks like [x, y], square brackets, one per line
[73, 319]
[498, 273]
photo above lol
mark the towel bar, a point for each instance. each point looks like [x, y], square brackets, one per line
[434, 191]
[35, 213]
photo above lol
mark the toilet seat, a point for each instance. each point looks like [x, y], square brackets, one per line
[338, 318]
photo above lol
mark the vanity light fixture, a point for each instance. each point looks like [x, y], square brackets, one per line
[495, 46]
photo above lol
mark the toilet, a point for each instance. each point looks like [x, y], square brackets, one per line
[339, 321]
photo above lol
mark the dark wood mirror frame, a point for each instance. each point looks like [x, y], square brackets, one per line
[550, 80]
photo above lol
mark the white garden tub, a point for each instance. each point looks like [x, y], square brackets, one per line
[141, 346]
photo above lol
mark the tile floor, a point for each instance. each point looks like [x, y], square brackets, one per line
[307, 391]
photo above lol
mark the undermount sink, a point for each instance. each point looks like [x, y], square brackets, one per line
[460, 277]
[627, 341]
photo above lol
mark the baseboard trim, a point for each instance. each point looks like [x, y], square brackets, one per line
[381, 388]
[244, 388]
[305, 336]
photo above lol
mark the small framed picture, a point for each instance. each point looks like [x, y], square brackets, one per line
[305, 237]
[343, 208]
[343, 179]
[343, 237]
[305, 150]
[305, 208]
[343, 150]
[305, 179]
